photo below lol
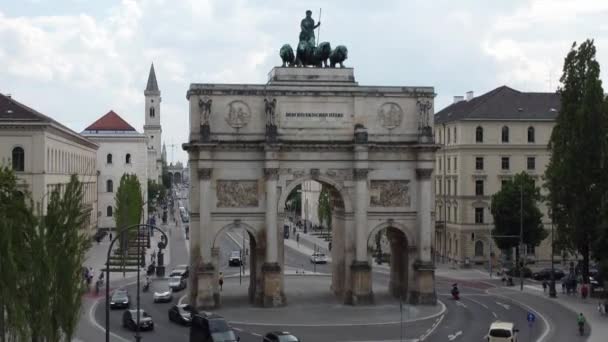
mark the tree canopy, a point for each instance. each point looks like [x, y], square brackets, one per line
[507, 211]
[576, 174]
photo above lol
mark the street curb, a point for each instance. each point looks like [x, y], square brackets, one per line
[424, 318]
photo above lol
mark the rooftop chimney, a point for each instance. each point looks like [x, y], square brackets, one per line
[458, 99]
[470, 95]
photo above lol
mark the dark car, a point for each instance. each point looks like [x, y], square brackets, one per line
[514, 272]
[210, 327]
[100, 234]
[279, 336]
[181, 313]
[120, 300]
[545, 274]
[129, 320]
[235, 259]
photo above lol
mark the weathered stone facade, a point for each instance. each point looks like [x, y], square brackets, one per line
[365, 142]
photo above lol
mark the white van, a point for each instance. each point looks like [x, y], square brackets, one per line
[502, 332]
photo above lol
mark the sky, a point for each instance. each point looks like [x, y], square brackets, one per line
[75, 60]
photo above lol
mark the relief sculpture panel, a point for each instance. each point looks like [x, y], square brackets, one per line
[237, 194]
[389, 193]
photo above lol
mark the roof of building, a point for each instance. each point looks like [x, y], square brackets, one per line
[110, 122]
[12, 111]
[152, 85]
[503, 103]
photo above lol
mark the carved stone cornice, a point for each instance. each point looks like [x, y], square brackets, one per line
[271, 173]
[360, 174]
[205, 174]
[424, 173]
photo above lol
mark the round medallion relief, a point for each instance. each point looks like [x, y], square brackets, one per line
[390, 115]
[238, 114]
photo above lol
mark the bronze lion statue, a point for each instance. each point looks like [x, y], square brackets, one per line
[287, 55]
[338, 56]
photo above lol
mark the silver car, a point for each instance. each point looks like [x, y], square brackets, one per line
[163, 296]
[177, 283]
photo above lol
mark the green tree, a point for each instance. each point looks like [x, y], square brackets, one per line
[154, 190]
[325, 207]
[294, 200]
[129, 206]
[165, 176]
[575, 176]
[15, 217]
[507, 211]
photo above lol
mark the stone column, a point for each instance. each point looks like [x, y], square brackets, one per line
[205, 270]
[360, 269]
[271, 270]
[423, 291]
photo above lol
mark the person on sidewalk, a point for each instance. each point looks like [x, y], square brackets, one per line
[544, 286]
[221, 281]
[110, 237]
[584, 291]
[580, 320]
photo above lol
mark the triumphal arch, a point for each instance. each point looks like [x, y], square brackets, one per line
[250, 145]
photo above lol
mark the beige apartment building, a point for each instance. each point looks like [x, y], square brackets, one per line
[44, 154]
[485, 141]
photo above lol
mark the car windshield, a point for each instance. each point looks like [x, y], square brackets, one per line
[236, 254]
[288, 338]
[500, 333]
[319, 255]
[119, 294]
[224, 336]
[175, 279]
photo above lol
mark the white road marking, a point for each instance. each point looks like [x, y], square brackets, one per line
[548, 327]
[433, 327]
[97, 325]
[256, 334]
[495, 315]
[506, 306]
[238, 329]
[459, 303]
[453, 337]
[478, 303]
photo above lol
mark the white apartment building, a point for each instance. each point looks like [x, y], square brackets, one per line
[121, 150]
[44, 154]
[485, 141]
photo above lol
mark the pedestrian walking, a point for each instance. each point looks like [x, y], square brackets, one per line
[563, 286]
[584, 291]
[298, 239]
[110, 237]
[221, 281]
[544, 286]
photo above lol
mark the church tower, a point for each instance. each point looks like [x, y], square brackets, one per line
[152, 128]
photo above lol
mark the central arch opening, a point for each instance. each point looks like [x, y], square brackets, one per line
[313, 234]
[390, 253]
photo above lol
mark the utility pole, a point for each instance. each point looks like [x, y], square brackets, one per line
[521, 236]
[552, 291]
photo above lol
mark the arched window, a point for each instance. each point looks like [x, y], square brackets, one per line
[18, 159]
[109, 158]
[152, 112]
[530, 134]
[505, 134]
[109, 211]
[478, 134]
[109, 186]
[478, 249]
[128, 158]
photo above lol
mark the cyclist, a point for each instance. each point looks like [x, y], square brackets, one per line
[580, 320]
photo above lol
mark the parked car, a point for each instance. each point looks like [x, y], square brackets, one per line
[502, 332]
[164, 296]
[129, 320]
[235, 259]
[318, 258]
[210, 327]
[514, 272]
[120, 299]
[279, 336]
[177, 283]
[545, 274]
[181, 313]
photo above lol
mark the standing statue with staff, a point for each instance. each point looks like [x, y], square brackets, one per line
[307, 27]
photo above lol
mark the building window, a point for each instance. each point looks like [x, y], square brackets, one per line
[449, 163]
[128, 158]
[454, 134]
[109, 211]
[455, 187]
[479, 134]
[504, 163]
[18, 159]
[455, 214]
[109, 186]
[449, 139]
[440, 164]
[449, 187]
[531, 163]
[530, 250]
[455, 163]
[478, 249]
[478, 163]
[109, 158]
[505, 134]
[530, 134]
[152, 112]
[449, 214]
[478, 215]
[479, 187]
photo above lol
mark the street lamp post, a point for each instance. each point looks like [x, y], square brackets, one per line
[121, 232]
[521, 236]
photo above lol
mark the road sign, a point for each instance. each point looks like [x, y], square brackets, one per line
[531, 318]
